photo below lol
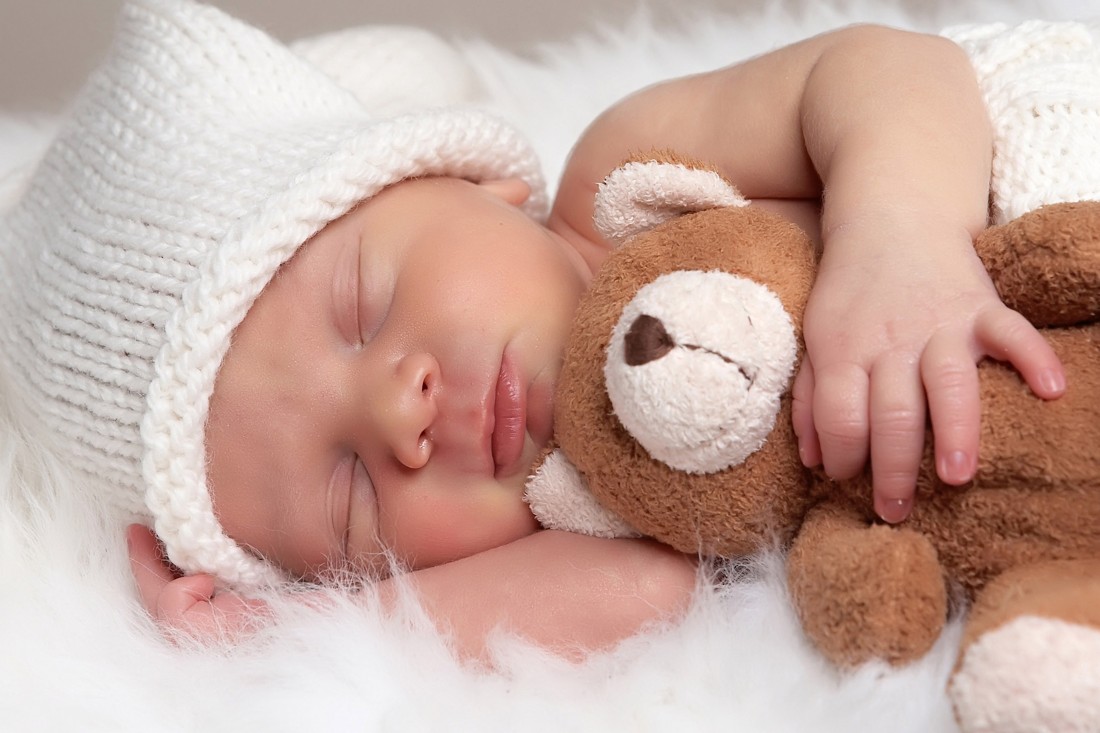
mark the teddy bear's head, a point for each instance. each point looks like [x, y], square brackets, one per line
[674, 399]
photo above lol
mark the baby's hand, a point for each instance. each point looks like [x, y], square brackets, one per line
[187, 603]
[893, 338]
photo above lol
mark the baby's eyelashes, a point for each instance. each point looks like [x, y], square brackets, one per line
[360, 298]
[374, 294]
[361, 509]
[346, 296]
[345, 537]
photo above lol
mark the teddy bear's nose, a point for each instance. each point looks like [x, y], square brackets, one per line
[646, 340]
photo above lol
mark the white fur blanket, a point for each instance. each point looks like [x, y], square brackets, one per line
[79, 654]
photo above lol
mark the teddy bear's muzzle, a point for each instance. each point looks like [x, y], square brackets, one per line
[696, 367]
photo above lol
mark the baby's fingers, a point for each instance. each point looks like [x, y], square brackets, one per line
[897, 433]
[840, 415]
[802, 415]
[186, 602]
[166, 597]
[182, 603]
[190, 603]
[194, 605]
[1005, 335]
[951, 383]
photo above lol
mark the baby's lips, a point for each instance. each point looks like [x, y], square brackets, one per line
[509, 417]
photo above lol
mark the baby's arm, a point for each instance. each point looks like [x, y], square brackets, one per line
[902, 308]
[566, 592]
[888, 129]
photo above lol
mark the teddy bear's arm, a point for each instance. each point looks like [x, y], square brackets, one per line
[865, 591]
[1046, 263]
[559, 498]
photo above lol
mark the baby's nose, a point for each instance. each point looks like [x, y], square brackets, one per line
[411, 409]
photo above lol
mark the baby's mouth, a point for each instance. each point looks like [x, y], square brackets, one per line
[509, 418]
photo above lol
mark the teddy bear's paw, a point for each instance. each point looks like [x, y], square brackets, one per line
[697, 365]
[559, 498]
[865, 592]
[1032, 674]
[1046, 263]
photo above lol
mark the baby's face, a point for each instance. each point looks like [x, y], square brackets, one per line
[391, 387]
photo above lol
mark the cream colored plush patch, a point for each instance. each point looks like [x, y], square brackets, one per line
[1032, 675]
[712, 399]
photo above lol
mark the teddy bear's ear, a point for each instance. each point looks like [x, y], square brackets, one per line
[645, 192]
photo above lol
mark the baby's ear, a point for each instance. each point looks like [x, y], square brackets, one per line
[513, 190]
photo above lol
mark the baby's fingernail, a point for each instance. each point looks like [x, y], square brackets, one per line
[955, 467]
[893, 510]
[806, 453]
[1052, 380]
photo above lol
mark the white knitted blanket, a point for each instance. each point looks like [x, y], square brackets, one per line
[78, 653]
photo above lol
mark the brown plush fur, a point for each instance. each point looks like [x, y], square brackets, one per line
[684, 510]
[864, 589]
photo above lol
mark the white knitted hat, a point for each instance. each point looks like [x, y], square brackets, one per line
[194, 163]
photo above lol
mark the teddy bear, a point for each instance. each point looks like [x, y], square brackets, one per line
[672, 421]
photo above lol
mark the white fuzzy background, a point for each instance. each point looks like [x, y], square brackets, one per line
[77, 653]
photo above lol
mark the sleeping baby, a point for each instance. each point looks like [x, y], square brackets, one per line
[301, 342]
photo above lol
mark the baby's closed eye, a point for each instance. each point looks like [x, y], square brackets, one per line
[359, 514]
